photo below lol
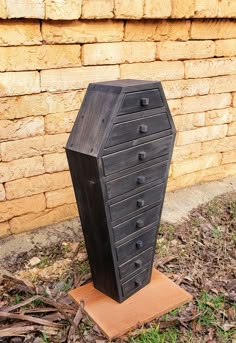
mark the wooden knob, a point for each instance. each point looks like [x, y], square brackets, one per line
[144, 101]
[139, 244]
[139, 223]
[141, 180]
[142, 155]
[140, 203]
[138, 264]
[138, 283]
[143, 128]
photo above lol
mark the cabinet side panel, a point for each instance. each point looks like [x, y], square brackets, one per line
[87, 188]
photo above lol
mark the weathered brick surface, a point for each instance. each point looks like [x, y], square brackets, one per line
[213, 29]
[234, 99]
[202, 134]
[227, 9]
[190, 121]
[185, 50]
[225, 47]
[223, 84]
[39, 57]
[19, 83]
[33, 146]
[206, 9]
[2, 193]
[30, 221]
[21, 128]
[82, 31]
[4, 229]
[219, 145]
[18, 169]
[37, 184]
[157, 9]
[182, 9]
[232, 130]
[63, 9]
[114, 53]
[75, 78]
[25, 9]
[17, 207]
[55, 162]
[60, 197]
[210, 67]
[153, 70]
[183, 88]
[18, 32]
[132, 9]
[3, 9]
[229, 157]
[102, 9]
[215, 117]
[186, 152]
[60, 122]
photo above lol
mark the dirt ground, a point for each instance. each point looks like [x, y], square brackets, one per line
[198, 254]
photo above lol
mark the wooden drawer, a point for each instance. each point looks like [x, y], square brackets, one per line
[136, 180]
[136, 245]
[136, 202]
[136, 263]
[136, 282]
[140, 101]
[134, 156]
[137, 223]
[134, 129]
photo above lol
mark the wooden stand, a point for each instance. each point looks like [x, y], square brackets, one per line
[160, 296]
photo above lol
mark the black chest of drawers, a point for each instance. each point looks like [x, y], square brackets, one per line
[119, 153]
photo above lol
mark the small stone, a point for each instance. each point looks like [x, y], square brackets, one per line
[82, 256]
[34, 261]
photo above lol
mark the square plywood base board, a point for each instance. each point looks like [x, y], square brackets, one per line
[160, 296]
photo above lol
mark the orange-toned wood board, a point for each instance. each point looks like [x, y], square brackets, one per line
[160, 296]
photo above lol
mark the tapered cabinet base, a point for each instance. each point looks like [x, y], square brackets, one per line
[160, 296]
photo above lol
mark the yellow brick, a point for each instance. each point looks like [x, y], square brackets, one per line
[201, 135]
[4, 229]
[25, 9]
[82, 31]
[113, 53]
[216, 117]
[157, 30]
[225, 47]
[206, 9]
[234, 99]
[182, 88]
[60, 122]
[219, 145]
[157, 9]
[3, 9]
[190, 121]
[102, 9]
[40, 104]
[130, 9]
[19, 32]
[21, 128]
[153, 70]
[229, 157]
[223, 84]
[232, 130]
[17, 207]
[17, 83]
[199, 119]
[47, 217]
[184, 50]
[39, 57]
[213, 29]
[182, 9]
[33, 146]
[186, 152]
[2, 193]
[60, 197]
[204, 103]
[195, 164]
[210, 67]
[175, 106]
[21, 168]
[63, 9]
[75, 78]
[55, 162]
[227, 9]
[37, 184]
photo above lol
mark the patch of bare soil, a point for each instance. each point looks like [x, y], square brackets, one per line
[199, 254]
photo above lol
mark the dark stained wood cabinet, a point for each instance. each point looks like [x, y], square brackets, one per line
[119, 153]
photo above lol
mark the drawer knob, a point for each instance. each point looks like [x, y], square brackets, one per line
[139, 244]
[142, 155]
[139, 223]
[138, 264]
[141, 180]
[138, 283]
[144, 101]
[143, 128]
[140, 203]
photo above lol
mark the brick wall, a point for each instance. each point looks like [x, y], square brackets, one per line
[49, 56]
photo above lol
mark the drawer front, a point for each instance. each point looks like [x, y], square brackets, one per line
[134, 156]
[134, 129]
[136, 263]
[136, 202]
[136, 245]
[137, 223]
[136, 180]
[136, 282]
[140, 101]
